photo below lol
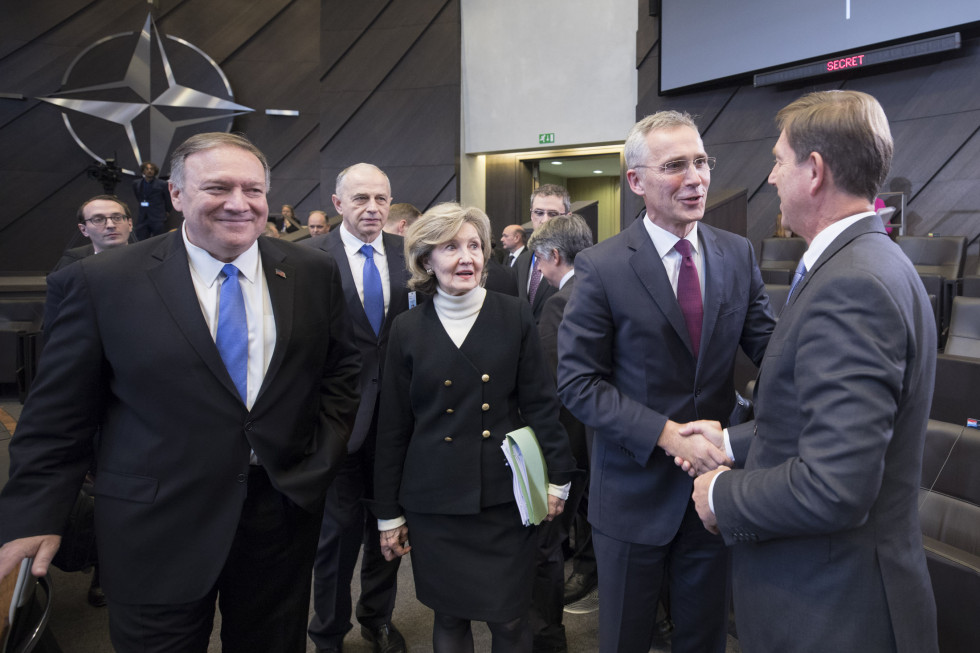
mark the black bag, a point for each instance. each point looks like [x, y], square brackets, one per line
[77, 551]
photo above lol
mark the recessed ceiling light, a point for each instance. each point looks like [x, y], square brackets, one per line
[556, 163]
[598, 172]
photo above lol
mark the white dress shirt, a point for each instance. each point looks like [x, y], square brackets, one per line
[664, 241]
[207, 278]
[352, 246]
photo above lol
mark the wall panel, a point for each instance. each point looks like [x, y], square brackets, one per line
[375, 80]
[933, 109]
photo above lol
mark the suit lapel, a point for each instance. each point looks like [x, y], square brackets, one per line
[335, 247]
[871, 224]
[713, 268]
[397, 278]
[645, 261]
[280, 279]
[170, 274]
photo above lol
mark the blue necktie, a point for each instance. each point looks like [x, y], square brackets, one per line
[797, 278]
[232, 334]
[374, 297]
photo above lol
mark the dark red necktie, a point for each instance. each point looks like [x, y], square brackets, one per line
[689, 294]
[535, 281]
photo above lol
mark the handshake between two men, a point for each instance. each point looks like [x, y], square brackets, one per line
[699, 449]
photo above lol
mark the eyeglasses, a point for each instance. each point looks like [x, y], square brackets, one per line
[679, 167]
[99, 220]
[540, 213]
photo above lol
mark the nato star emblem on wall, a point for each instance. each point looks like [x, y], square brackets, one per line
[135, 96]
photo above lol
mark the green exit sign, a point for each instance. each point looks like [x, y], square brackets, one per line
[544, 139]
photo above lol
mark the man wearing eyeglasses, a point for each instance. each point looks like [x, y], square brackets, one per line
[547, 201]
[648, 340]
[105, 221]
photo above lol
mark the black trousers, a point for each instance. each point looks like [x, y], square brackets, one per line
[346, 526]
[696, 566]
[263, 590]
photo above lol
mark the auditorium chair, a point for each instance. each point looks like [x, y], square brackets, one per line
[955, 397]
[971, 283]
[779, 259]
[949, 513]
[964, 328]
[939, 262]
[777, 297]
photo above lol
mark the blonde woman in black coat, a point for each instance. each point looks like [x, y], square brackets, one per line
[462, 371]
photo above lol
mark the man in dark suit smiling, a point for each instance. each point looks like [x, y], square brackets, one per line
[217, 444]
[648, 340]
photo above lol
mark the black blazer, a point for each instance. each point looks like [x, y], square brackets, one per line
[74, 254]
[174, 441]
[372, 346]
[157, 195]
[446, 411]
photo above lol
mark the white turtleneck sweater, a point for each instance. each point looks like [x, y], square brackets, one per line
[458, 313]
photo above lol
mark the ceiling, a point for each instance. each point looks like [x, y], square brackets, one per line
[581, 166]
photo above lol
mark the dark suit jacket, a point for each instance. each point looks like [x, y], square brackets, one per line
[551, 317]
[174, 441]
[158, 197]
[372, 346]
[447, 409]
[824, 519]
[626, 366]
[501, 278]
[545, 290]
[75, 254]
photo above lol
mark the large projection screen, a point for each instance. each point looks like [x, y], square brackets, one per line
[708, 40]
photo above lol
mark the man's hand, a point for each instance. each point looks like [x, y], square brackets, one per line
[711, 431]
[693, 453]
[701, 485]
[556, 506]
[41, 547]
[394, 543]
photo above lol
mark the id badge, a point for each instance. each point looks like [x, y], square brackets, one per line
[411, 300]
[144, 204]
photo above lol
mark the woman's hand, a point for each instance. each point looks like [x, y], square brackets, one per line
[556, 507]
[394, 543]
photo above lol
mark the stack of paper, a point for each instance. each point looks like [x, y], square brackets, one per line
[530, 473]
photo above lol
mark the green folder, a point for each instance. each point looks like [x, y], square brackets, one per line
[531, 482]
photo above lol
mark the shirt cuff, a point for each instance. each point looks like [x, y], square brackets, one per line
[390, 524]
[560, 491]
[728, 446]
[711, 490]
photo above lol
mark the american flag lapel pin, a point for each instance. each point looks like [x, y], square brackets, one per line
[280, 273]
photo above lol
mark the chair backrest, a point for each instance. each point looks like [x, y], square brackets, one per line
[943, 255]
[964, 328]
[949, 503]
[777, 296]
[783, 253]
